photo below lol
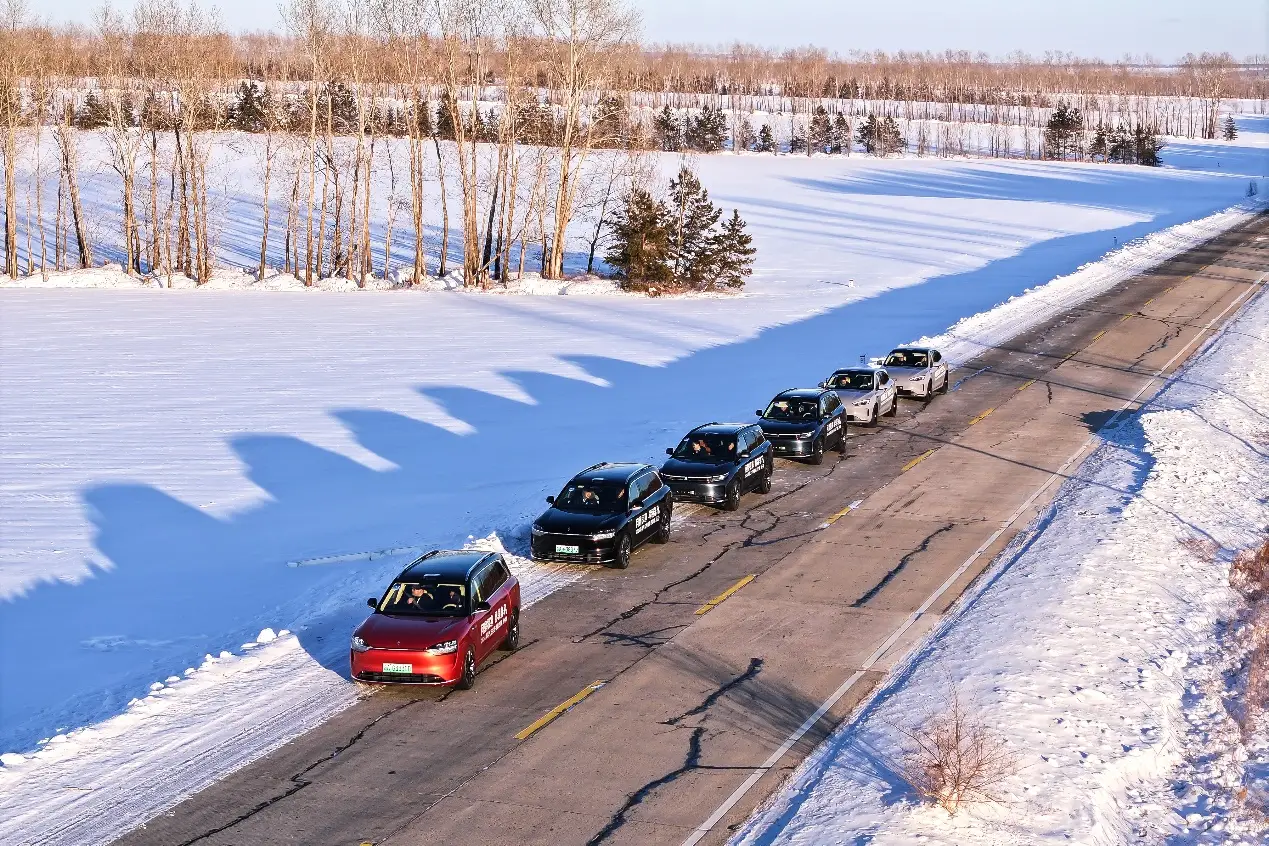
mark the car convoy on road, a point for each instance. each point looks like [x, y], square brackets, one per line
[450, 610]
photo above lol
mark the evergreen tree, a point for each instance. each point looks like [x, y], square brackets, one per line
[692, 250]
[668, 130]
[342, 104]
[880, 137]
[766, 139]
[93, 114]
[445, 117]
[841, 135]
[610, 122]
[743, 137]
[797, 142]
[1121, 150]
[868, 131]
[426, 117]
[1230, 132]
[707, 131]
[1099, 149]
[640, 246]
[821, 130]
[1147, 144]
[734, 251]
[250, 111]
[1063, 132]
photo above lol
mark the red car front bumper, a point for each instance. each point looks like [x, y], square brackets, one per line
[375, 665]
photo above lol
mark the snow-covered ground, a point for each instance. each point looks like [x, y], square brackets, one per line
[1101, 650]
[164, 455]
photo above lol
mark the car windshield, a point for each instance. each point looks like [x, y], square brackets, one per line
[907, 358]
[427, 597]
[853, 380]
[792, 408]
[593, 497]
[714, 449]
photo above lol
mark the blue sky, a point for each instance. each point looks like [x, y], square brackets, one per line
[1108, 29]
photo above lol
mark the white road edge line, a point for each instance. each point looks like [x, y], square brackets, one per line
[704, 828]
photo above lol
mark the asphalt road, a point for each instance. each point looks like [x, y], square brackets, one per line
[687, 701]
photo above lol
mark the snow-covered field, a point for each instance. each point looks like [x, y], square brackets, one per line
[1102, 651]
[165, 455]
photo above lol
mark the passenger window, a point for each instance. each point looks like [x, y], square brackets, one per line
[653, 484]
[756, 438]
[937, 356]
[883, 378]
[638, 487]
[489, 580]
[743, 442]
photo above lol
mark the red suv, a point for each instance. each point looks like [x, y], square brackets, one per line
[439, 620]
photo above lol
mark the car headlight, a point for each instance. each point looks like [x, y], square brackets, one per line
[915, 378]
[803, 435]
[537, 533]
[447, 648]
[359, 645]
[721, 478]
[863, 401]
[603, 536]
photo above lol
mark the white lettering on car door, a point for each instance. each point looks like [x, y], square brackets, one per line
[493, 621]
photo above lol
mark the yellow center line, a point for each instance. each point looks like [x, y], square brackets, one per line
[551, 715]
[914, 462]
[1095, 337]
[1027, 384]
[981, 417]
[1126, 317]
[722, 597]
[839, 515]
[1149, 301]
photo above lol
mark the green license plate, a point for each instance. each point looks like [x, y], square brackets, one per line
[398, 668]
[567, 550]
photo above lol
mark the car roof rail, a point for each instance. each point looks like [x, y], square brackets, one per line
[594, 467]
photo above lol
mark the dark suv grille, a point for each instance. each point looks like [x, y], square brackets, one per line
[400, 678]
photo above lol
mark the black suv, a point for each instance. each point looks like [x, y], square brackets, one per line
[718, 462]
[803, 422]
[603, 514]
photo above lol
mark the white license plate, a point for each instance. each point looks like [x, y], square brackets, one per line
[566, 550]
[398, 668]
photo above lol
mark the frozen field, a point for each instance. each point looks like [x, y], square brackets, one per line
[165, 454]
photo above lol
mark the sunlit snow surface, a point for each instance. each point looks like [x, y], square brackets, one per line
[165, 454]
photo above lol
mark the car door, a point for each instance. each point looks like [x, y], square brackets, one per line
[750, 466]
[886, 393]
[940, 368]
[831, 412]
[488, 587]
[642, 518]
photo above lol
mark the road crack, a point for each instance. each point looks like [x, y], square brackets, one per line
[898, 568]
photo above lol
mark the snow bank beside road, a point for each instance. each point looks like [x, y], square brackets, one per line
[1097, 652]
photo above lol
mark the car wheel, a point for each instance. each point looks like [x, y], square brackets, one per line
[841, 437]
[512, 641]
[468, 679]
[764, 481]
[817, 453]
[929, 392]
[894, 407]
[622, 561]
[872, 416]
[663, 526]
[943, 387]
[732, 500]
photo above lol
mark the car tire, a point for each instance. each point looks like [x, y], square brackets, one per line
[894, 407]
[764, 481]
[929, 392]
[873, 414]
[817, 453]
[943, 387]
[662, 534]
[468, 679]
[624, 547]
[841, 438]
[511, 642]
[731, 501]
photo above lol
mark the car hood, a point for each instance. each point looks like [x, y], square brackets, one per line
[905, 372]
[679, 467]
[781, 427]
[555, 520]
[392, 631]
[849, 395]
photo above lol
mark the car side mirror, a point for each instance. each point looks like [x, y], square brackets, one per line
[636, 505]
[758, 412]
[373, 603]
[669, 450]
[550, 500]
[479, 606]
[824, 384]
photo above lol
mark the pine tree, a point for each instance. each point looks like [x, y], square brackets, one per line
[734, 251]
[611, 122]
[1230, 131]
[1147, 144]
[1121, 148]
[692, 250]
[668, 130]
[707, 131]
[766, 139]
[640, 246]
[841, 135]
[250, 111]
[821, 130]
[342, 104]
[93, 114]
[890, 140]
[1063, 132]
[743, 137]
[1099, 149]
[445, 117]
[426, 117]
[868, 133]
